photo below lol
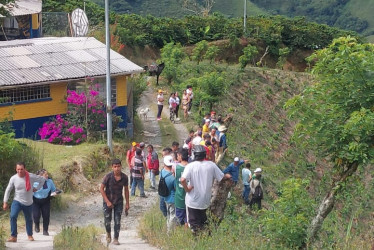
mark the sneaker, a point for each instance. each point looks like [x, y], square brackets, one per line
[115, 241]
[45, 233]
[12, 239]
[143, 196]
[158, 119]
[30, 238]
[37, 228]
[152, 188]
[108, 238]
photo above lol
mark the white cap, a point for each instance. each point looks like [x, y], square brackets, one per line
[168, 160]
[236, 159]
[258, 170]
[207, 120]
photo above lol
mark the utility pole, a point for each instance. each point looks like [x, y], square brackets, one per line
[108, 86]
[245, 18]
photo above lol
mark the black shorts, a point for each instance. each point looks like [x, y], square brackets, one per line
[196, 218]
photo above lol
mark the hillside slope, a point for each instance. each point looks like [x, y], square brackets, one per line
[346, 14]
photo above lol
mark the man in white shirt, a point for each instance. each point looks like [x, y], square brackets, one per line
[190, 93]
[199, 175]
[22, 183]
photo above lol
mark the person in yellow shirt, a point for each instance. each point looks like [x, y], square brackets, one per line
[206, 129]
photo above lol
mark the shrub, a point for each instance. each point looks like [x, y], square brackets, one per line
[86, 116]
[287, 221]
[249, 53]
[199, 51]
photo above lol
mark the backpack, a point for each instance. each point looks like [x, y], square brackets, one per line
[163, 189]
[258, 194]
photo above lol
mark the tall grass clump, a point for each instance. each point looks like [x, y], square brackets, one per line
[75, 238]
[237, 229]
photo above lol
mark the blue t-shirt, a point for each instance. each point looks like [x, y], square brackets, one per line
[42, 193]
[233, 170]
[170, 182]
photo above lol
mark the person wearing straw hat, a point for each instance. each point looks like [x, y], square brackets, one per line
[222, 147]
[160, 103]
[256, 188]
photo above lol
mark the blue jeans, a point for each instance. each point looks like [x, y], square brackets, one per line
[27, 212]
[163, 206]
[152, 177]
[245, 193]
[137, 182]
[117, 209]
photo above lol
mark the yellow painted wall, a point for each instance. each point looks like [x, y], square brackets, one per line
[39, 109]
[121, 82]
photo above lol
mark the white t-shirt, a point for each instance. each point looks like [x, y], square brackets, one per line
[197, 140]
[200, 175]
[160, 96]
[189, 91]
[171, 101]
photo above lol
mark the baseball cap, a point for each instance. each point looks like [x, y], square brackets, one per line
[236, 159]
[133, 144]
[160, 91]
[168, 160]
[258, 170]
[142, 144]
[207, 120]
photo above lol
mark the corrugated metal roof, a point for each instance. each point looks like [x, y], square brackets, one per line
[55, 59]
[23, 7]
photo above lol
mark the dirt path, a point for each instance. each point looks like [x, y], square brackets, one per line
[89, 210]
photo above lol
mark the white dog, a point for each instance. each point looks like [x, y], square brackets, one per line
[144, 113]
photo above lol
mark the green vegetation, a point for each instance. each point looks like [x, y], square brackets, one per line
[76, 238]
[336, 115]
[249, 53]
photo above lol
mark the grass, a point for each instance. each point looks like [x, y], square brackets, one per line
[75, 238]
[53, 156]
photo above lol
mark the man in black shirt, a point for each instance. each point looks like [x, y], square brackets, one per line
[111, 189]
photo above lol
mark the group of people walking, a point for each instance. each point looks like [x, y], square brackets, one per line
[32, 196]
[175, 102]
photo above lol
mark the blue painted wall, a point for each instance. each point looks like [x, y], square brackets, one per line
[30, 126]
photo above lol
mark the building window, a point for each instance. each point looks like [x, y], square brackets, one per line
[24, 94]
[100, 83]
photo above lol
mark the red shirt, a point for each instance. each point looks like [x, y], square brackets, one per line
[130, 155]
[152, 161]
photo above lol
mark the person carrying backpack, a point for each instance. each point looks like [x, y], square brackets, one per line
[256, 188]
[166, 189]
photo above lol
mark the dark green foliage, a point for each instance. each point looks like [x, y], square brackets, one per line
[287, 220]
[330, 12]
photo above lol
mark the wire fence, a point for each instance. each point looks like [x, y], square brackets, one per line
[55, 24]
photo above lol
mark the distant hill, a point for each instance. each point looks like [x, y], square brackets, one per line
[354, 15]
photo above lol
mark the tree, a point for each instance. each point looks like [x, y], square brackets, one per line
[336, 114]
[172, 55]
[3, 11]
[211, 53]
[249, 53]
[198, 9]
[199, 51]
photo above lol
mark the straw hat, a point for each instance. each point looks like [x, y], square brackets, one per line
[222, 128]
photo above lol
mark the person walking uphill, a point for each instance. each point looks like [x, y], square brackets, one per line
[22, 183]
[42, 203]
[153, 165]
[256, 188]
[166, 173]
[200, 174]
[111, 189]
[138, 173]
[160, 103]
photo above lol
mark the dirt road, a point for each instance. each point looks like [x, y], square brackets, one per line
[89, 210]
